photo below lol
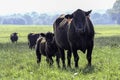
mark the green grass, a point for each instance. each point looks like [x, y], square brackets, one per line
[6, 30]
[18, 62]
[107, 30]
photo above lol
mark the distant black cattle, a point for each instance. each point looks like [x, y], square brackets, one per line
[75, 30]
[46, 46]
[32, 38]
[14, 37]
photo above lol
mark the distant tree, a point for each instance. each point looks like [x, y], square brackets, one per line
[115, 12]
[34, 14]
[28, 18]
[98, 18]
[7, 21]
[1, 20]
[18, 21]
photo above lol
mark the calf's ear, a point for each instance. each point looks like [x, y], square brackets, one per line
[43, 34]
[15, 33]
[69, 16]
[88, 12]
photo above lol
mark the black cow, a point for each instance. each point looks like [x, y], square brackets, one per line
[60, 31]
[32, 38]
[46, 46]
[14, 37]
[80, 33]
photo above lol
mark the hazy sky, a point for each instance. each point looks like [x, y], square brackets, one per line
[52, 6]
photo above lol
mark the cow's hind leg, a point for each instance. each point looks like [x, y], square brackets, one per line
[58, 59]
[62, 54]
[47, 60]
[50, 61]
[69, 58]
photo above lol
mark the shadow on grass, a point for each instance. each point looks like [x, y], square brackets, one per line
[84, 71]
[10, 45]
[111, 41]
[88, 69]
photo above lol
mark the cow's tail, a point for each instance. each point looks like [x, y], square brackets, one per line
[37, 49]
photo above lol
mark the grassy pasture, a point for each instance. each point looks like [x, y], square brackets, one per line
[17, 62]
[107, 30]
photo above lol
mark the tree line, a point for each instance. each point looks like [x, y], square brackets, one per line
[28, 19]
[35, 18]
[111, 16]
[114, 12]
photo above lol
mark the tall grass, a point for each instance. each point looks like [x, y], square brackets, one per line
[18, 62]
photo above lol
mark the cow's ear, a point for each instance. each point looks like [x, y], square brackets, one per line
[15, 33]
[88, 12]
[69, 16]
[43, 34]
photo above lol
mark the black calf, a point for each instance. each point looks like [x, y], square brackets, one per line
[46, 46]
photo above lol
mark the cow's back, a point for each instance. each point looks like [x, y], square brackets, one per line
[60, 30]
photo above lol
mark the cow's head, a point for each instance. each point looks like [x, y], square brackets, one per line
[78, 19]
[15, 33]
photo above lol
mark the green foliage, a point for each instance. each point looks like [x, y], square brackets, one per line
[115, 11]
[18, 62]
[116, 6]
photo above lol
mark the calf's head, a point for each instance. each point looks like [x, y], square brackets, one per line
[49, 38]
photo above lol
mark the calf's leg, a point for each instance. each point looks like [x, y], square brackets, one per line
[38, 58]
